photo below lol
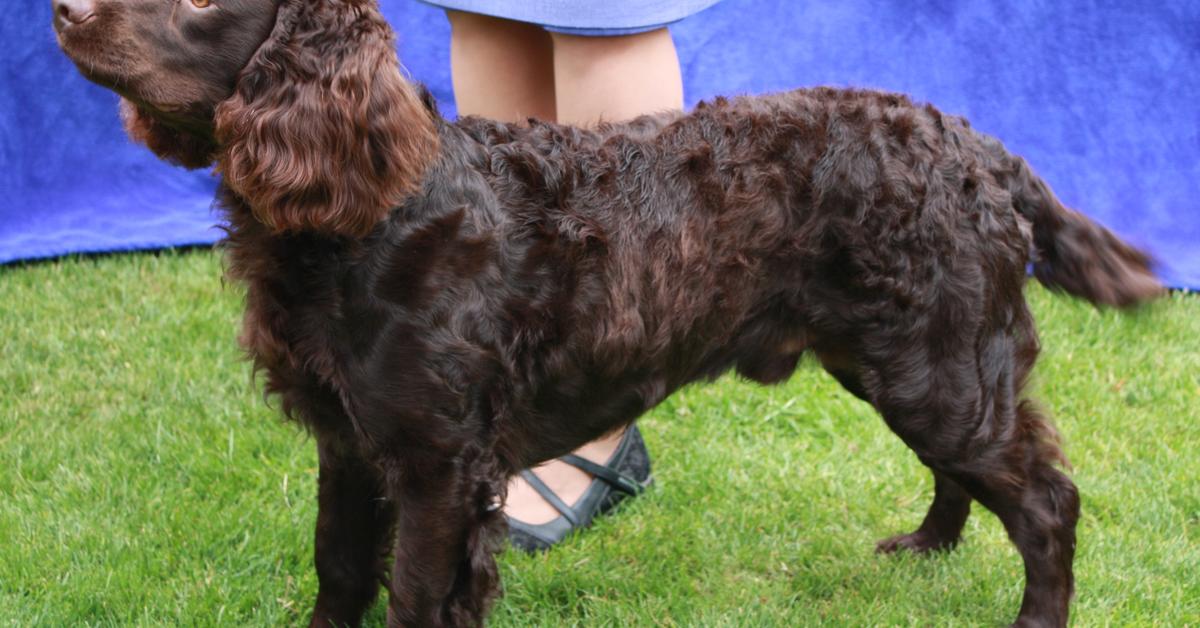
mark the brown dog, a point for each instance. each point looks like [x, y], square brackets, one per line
[443, 304]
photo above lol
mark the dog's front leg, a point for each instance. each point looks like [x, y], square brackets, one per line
[354, 524]
[449, 530]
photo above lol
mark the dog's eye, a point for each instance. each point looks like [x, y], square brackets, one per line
[201, 4]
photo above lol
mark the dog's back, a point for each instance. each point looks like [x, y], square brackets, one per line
[691, 226]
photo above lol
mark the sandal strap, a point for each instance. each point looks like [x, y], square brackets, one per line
[551, 497]
[614, 478]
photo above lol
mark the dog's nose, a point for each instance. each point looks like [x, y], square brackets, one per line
[68, 12]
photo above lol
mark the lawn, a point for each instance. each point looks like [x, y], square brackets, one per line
[143, 480]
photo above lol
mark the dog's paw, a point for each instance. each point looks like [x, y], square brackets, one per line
[918, 542]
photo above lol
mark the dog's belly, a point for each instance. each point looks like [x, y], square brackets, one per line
[571, 410]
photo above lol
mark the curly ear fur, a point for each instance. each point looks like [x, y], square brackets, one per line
[323, 133]
[184, 148]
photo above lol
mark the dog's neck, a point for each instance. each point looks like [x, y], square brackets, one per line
[194, 123]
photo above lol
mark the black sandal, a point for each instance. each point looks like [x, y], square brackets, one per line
[626, 474]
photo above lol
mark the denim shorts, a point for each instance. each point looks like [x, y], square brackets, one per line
[584, 17]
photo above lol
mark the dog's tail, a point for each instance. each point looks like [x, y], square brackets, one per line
[1075, 254]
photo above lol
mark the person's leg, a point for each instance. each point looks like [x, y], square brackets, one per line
[504, 70]
[600, 79]
[511, 71]
[501, 69]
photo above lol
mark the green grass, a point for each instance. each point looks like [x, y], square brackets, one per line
[143, 481]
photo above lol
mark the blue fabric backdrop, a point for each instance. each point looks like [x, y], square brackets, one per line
[1100, 96]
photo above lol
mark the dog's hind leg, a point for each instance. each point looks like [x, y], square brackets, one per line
[1039, 507]
[449, 530]
[943, 524]
[354, 523]
[956, 405]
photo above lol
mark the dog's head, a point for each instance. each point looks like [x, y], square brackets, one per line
[300, 103]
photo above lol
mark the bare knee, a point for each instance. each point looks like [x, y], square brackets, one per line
[615, 78]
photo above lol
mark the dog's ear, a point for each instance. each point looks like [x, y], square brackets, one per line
[190, 150]
[323, 133]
